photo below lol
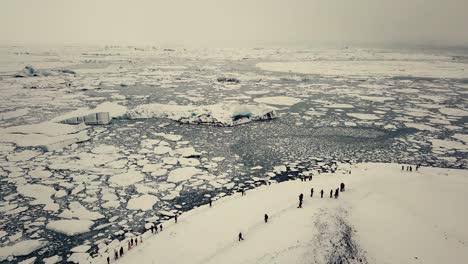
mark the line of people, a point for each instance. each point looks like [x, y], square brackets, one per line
[133, 242]
[410, 168]
[240, 236]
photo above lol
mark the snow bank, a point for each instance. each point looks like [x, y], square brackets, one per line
[393, 216]
[70, 227]
[218, 114]
[22, 248]
[47, 136]
[101, 115]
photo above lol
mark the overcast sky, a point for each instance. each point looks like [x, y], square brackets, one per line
[230, 23]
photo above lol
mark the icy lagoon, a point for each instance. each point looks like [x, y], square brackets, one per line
[187, 126]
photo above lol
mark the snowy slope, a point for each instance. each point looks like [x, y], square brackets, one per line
[399, 217]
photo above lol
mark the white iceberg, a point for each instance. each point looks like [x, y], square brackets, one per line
[217, 114]
[101, 115]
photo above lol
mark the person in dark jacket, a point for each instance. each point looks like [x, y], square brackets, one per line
[121, 251]
[175, 218]
[321, 193]
[108, 260]
[160, 227]
[301, 198]
[116, 255]
[342, 187]
[240, 236]
[331, 193]
[312, 192]
[337, 191]
[266, 218]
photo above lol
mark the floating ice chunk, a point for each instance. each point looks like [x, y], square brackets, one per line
[23, 155]
[14, 114]
[3, 233]
[448, 144]
[80, 249]
[145, 189]
[128, 178]
[339, 106]
[462, 137]
[80, 258]
[182, 174]
[76, 210]
[363, 116]
[169, 136]
[171, 196]
[52, 260]
[47, 136]
[40, 173]
[22, 248]
[166, 213]
[159, 150]
[278, 100]
[159, 172]
[41, 193]
[421, 126]
[105, 149]
[100, 115]
[187, 152]
[28, 261]
[189, 162]
[453, 112]
[218, 114]
[144, 202]
[70, 227]
[279, 169]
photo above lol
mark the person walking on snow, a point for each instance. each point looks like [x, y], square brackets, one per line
[160, 227]
[129, 245]
[211, 202]
[331, 193]
[136, 241]
[175, 218]
[342, 187]
[240, 236]
[108, 260]
[266, 218]
[301, 198]
[312, 192]
[121, 252]
[321, 193]
[337, 191]
[116, 255]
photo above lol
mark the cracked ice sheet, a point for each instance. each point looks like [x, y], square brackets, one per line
[430, 69]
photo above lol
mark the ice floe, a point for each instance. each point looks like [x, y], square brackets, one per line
[182, 174]
[70, 227]
[278, 100]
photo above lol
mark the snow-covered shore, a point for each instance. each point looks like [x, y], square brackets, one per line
[386, 215]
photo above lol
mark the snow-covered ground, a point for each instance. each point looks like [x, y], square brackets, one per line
[385, 215]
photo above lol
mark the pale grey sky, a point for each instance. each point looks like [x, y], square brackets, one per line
[227, 23]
